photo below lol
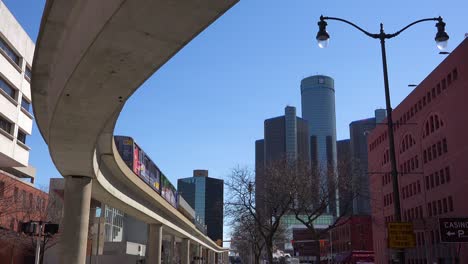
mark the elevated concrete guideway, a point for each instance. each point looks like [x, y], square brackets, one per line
[90, 57]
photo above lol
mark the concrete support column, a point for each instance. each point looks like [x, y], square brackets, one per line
[213, 257]
[74, 238]
[200, 254]
[185, 257]
[155, 233]
[171, 249]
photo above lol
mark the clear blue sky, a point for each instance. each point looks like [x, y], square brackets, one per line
[206, 106]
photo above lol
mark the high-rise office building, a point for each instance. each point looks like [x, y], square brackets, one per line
[206, 196]
[286, 137]
[318, 108]
[16, 54]
[344, 176]
[358, 131]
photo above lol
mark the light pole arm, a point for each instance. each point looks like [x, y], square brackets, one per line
[415, 22]
[381, 35]
[352, 24]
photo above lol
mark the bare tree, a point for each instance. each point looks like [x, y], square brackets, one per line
[315, 197]
[269, 207]
[247, 240]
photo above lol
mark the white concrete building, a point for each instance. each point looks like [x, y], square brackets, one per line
[16, 55]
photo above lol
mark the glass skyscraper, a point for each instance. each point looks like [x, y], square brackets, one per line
[206, 196]
[318, 108]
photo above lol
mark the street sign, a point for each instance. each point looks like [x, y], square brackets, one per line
[453, 230]
[400, 235]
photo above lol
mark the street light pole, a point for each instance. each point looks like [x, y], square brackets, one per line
[441, 38]
[391, 139]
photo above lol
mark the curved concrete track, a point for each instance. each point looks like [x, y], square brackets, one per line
[90, 57]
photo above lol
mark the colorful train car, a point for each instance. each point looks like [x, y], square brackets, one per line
[141, 164]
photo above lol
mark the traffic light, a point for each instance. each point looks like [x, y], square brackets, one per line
[51, 229]
[29, 228]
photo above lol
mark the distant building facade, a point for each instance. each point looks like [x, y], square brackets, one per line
[285, 137]
[318, 108]
[352, 240]
[430, 143]
[206, 196]
[359, 130]
[345, 183]
[20, 202]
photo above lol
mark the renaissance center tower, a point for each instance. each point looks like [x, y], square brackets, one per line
[318, 108]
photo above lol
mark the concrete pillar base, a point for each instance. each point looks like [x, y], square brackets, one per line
[185, 258]
[212, 257]
[74, 238]
[153, 250]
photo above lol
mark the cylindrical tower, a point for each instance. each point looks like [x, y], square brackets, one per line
[318, 108]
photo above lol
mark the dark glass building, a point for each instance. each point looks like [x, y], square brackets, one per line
[318, 108]
[206, 196]
[344, 176]
[358, 131]
[285, 137]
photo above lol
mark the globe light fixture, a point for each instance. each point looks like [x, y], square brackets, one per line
[322, 35]
[441, 37]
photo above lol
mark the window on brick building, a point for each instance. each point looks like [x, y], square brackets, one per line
[419, 187]
[438, 89]
[2, 189]
[30, 200]
[427, 182]
[433, 93]
[442, 176]
[439, 148]
[447, 174]
[445, 205]
[434, 207]
[436, 176]
[444, 84]
[429, 209]
[444, 145]
[450, 203]
[23, 198]
[455, 74]
[439, 206]
[432, 181]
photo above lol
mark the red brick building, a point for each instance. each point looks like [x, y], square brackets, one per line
[352, 240]
[19, 202]
[431, 132]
